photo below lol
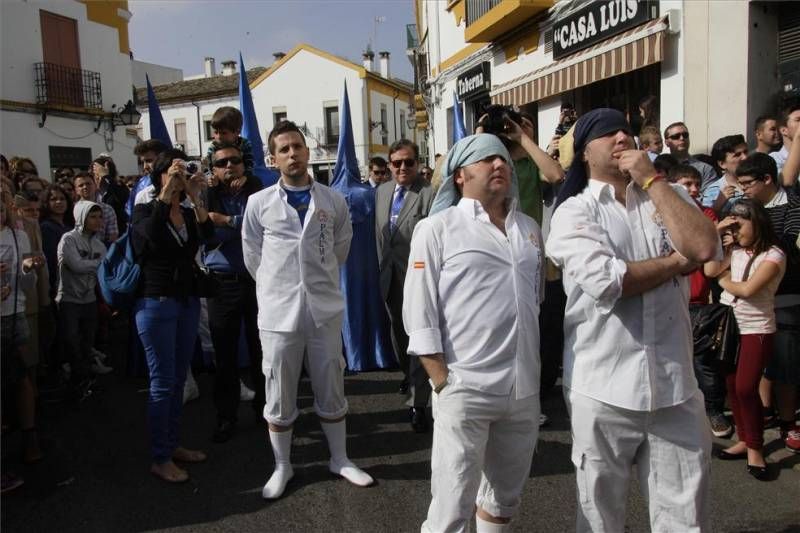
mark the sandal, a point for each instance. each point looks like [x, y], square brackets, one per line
[169, 472]
[188, 456]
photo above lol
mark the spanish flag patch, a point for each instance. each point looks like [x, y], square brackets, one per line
[419, 264]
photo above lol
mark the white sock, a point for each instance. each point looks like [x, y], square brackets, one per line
[281, 442]
[483, 526]
[336, 433]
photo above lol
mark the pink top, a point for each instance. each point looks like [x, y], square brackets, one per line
[755, 314]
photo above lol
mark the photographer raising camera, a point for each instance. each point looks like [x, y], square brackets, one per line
[531, 163]
[166, 236]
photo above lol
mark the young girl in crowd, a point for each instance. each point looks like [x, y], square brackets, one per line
[749, 274]
[55, 219]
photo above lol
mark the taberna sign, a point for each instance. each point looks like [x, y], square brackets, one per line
[473, 82]
[597, 21]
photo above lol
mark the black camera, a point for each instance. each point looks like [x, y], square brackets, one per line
[569, 118]
[495, 120]
[191, 168]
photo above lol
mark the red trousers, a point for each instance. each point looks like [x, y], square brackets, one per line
[754, 354]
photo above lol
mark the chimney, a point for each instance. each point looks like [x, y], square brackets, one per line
[384, 64]
[278, 56]
[228, 68]
[368, 56]
[210, 68]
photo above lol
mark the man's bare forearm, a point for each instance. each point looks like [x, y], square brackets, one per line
[642, 276]
[550, 170]
[692, 233]
[435, 366]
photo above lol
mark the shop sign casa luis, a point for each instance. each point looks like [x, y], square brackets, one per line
[598, 21]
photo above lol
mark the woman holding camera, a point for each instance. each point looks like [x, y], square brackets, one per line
[166, 235]
[749, 274]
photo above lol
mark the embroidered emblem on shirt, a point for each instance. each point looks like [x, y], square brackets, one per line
[322, 216]
[419, 264]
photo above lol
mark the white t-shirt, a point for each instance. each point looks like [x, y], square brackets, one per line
[756, 314]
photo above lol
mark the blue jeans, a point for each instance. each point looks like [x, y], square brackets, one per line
[168, 330]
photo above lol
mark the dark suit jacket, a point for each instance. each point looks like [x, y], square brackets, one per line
[394, 248]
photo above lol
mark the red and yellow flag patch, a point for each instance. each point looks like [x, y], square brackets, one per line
[419, 264]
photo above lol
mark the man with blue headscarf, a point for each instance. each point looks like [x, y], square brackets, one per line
[624, 238]
[470, 307]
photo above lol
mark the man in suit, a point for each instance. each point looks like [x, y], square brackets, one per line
[399, 204]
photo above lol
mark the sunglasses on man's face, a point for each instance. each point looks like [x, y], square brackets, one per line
[398, 163]
[381, 172]
[222, 163]
[679, 135]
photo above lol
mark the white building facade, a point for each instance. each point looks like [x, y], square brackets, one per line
[714, 64]
[66, 71]
[305, 86]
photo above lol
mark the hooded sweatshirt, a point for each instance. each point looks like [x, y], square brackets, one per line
[79, 255]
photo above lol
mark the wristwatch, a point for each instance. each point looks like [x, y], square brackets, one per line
[440, 387]
[232, 221]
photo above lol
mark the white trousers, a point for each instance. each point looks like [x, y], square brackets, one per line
[482, 451]
[285, 353]
[671, 448]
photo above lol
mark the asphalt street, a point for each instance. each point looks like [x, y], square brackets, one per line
[95, 475]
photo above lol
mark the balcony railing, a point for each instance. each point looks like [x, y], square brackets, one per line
[478, 8]
[67, 86]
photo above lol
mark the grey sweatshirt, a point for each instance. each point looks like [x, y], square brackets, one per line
[79, 255]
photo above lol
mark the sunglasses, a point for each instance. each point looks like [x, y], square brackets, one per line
[680, 135]
[233, 160]
[398, 163]
[379, 172]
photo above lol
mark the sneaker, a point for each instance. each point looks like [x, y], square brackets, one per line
[99, 368]
[720, 426]
[97, 353]
[245, 393]
[10, 482]
[190, 390]
[543, 420]
[792, 440]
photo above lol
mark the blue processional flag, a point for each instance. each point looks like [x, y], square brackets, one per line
[158, 129]
[459, 132]
[365, 328]
[250, 129]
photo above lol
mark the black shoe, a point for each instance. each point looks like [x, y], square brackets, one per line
[224, 431]
[725, 456]
[403, 390]
[419, 420]
[759, 472]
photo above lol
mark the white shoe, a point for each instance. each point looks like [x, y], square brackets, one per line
[190, 391]
[351, 473]
[245, 393]
[99, 368]
[277, 482]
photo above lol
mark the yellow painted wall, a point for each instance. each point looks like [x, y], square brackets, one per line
[106, 12]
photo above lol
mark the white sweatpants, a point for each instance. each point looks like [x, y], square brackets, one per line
[285, 353]
[482, 451]
[672, 451]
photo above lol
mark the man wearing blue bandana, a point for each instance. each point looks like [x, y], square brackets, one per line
[624, 238]
[471, 306]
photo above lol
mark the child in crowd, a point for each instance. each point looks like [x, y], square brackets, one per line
[750, 274]
[226, 127]
[651, 141]
[79, 254]
[709, 377]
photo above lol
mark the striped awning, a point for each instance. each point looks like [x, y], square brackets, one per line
[636, 48]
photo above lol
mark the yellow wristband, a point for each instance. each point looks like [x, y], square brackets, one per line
[651, 181]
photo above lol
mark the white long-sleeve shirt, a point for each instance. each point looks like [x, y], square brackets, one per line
[12, 255]
[633, 352]
[473, 294]
[296, 265]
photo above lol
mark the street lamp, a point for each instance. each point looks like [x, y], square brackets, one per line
[128, 115]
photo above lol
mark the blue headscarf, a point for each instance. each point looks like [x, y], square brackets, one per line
[594, 124]
[469, 150]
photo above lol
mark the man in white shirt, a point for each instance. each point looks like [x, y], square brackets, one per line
[471, 306]
[624, 237]
[295, 235]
